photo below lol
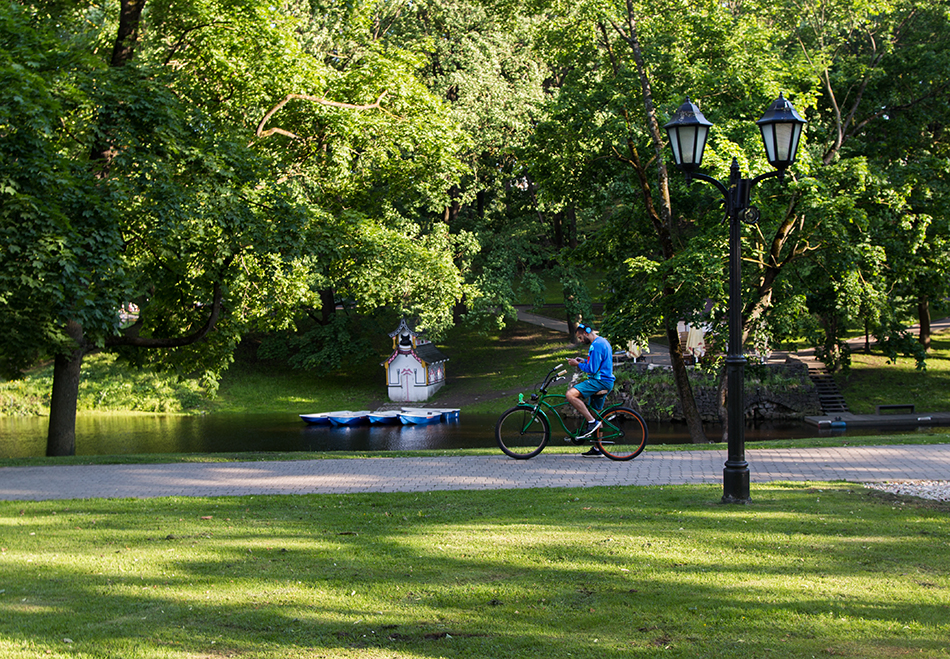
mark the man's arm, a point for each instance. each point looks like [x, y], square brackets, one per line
[598, 353]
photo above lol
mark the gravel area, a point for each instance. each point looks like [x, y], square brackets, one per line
[936, 490]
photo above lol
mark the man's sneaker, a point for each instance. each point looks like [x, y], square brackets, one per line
[594, 452]
[592, 427]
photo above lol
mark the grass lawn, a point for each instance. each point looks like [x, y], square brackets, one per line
[873, 381]
[805, 570]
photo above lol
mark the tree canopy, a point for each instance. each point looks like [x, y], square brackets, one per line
[225, 166]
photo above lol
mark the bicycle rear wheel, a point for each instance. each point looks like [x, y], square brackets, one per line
[623, 435]
[522, 433]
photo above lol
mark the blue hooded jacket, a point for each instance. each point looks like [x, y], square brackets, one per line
[600, 362]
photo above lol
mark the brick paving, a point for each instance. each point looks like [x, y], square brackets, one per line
[342, 476]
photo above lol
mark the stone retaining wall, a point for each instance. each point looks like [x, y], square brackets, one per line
[655, 395]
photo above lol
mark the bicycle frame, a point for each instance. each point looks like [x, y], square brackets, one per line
[541, 401]
[524, 430]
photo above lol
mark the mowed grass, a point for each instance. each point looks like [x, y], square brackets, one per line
[873, 380]
[824, 570]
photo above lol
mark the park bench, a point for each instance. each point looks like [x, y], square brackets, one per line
[891, 408]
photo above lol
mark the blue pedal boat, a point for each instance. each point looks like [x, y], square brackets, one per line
[384, 418]
[449, 413]
[349, 418]
[321, 419]
[419, 417]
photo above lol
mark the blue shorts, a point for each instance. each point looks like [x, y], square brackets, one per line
[588, 388]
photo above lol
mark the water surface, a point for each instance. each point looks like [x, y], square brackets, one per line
[125, 434]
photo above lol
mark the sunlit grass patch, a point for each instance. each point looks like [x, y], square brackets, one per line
[106, 386]
[873, 380]
[804, 569]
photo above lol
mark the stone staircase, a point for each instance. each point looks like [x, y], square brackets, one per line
[832, 402]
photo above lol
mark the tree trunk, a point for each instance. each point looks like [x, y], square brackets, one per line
[67, 367]
[459, 309]
[451, 212]
[557, 224]
[832, 344]
[570, 226]
[130, 15]
[694, 423]
[61, 435]
[103, 149]
[572, 320]
[923, 315]
[327, 305]
[661, 216]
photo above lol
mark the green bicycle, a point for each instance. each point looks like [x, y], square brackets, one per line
[523, 431]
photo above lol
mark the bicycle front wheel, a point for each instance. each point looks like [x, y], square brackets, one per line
[522, 432]
[623, 435]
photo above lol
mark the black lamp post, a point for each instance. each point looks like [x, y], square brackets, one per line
[688, 130]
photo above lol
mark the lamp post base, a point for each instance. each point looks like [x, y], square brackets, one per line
[735, 484]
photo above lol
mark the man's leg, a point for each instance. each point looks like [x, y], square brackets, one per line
[597, 402]
[576, 399]
[575, 396]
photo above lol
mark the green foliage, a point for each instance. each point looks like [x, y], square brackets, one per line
[322, 348]
[58, 238]
[578, 304]
[880, 168]
[850, 237]
[503, 263]
[413, 273]
[428, 158]
[176, 209]
[654, 394]
[192, 181]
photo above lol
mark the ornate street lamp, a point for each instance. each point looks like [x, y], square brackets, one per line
[688, 130]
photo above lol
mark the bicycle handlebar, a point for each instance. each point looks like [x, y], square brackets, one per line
[552, 376]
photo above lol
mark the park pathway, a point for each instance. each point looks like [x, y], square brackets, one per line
[423, 474]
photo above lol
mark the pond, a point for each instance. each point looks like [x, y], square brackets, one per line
[125, 434]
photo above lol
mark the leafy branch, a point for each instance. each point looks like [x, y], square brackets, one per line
[260, 132]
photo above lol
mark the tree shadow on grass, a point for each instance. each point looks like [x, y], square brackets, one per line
[598, 572]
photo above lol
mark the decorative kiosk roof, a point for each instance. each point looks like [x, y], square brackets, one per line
[406, 340]
[430, 354]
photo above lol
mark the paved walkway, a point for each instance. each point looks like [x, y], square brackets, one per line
[858, 464]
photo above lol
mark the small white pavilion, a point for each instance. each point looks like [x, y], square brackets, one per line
[416, 369]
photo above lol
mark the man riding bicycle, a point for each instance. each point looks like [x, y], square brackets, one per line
[599, 367]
